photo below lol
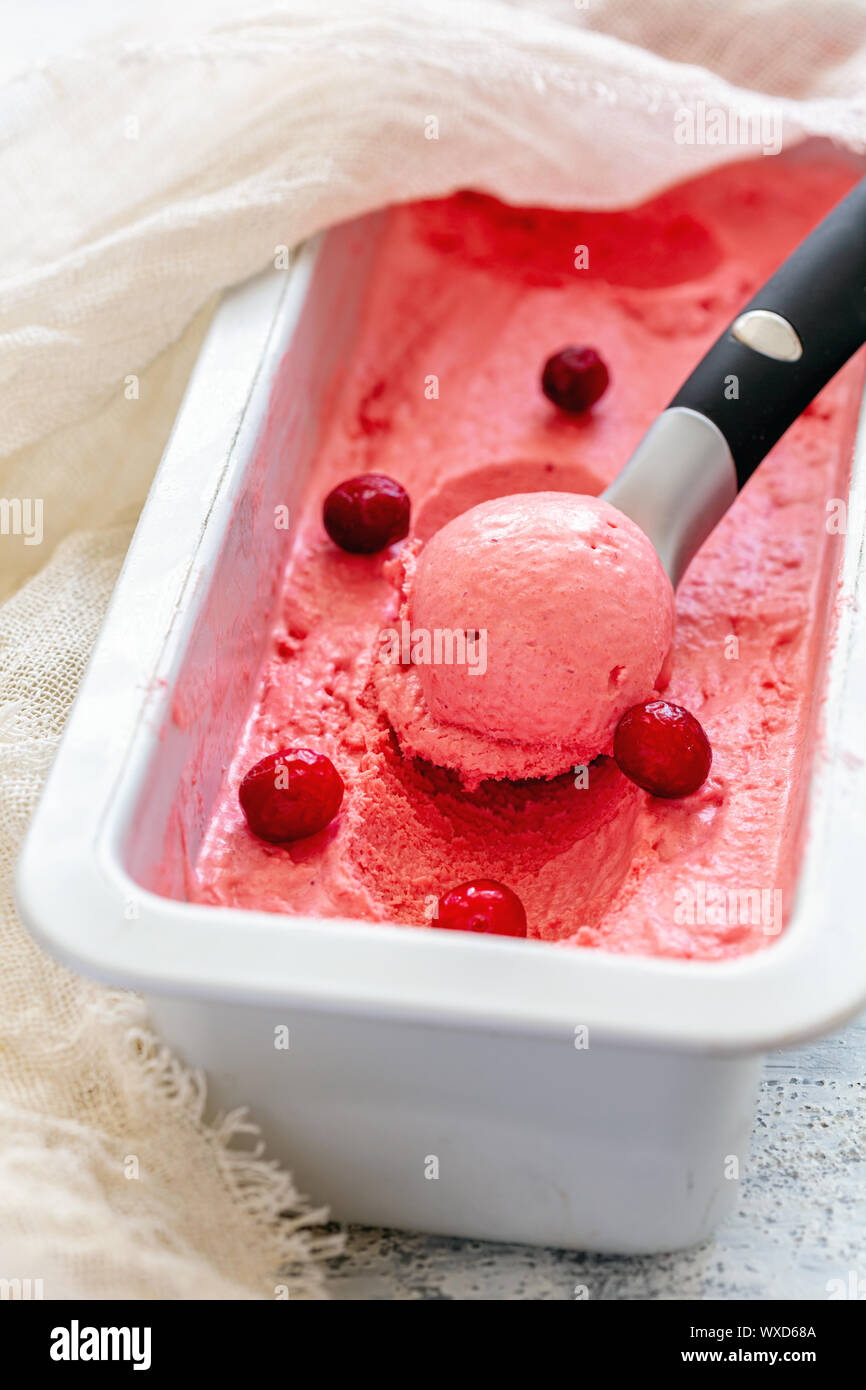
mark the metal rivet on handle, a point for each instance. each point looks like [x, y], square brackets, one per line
[769, 334]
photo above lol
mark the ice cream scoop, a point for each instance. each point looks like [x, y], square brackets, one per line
[573, 594]
[532, 623]
[770, 362]
[574, 614]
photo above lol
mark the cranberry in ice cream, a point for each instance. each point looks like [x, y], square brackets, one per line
[440, 392]
[569, 615]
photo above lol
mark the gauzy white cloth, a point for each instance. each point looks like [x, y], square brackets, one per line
[138, 178]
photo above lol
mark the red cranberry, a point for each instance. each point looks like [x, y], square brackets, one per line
[663, 748]
[366, 513]
[574, 378]
[290, 794]
[483, 905]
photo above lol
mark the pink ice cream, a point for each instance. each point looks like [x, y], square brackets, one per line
[440, 391]
[569, 617]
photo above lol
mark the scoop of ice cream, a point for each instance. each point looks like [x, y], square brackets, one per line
[529, 625]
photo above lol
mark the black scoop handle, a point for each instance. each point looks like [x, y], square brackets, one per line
[820, 293]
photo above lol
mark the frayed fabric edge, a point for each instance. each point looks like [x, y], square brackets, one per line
[263, 1189]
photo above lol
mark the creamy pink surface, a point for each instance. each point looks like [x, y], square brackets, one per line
[574, 617]
[471, 297]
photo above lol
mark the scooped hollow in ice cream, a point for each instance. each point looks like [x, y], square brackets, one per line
[567, 617]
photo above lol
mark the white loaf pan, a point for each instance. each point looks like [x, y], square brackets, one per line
[405, 1045]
